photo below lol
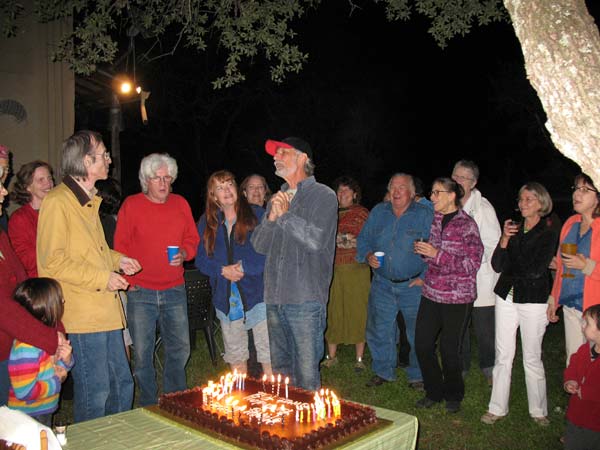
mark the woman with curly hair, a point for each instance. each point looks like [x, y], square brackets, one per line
[34, 181]
[226, 255]
[349, 293]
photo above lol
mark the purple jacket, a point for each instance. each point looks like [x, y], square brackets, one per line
[452, 274]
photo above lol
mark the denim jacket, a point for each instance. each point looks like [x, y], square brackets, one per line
[299, 246]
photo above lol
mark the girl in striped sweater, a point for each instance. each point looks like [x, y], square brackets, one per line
[36, 376]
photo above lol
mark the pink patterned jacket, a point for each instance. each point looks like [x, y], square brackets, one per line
[452, 275]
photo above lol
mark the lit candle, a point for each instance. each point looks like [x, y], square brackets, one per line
[244, 382]
[278, 383]
[263, 380]
[287, 381]
[272, 384]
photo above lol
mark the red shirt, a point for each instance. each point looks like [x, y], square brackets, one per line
[144, 231]
[15, 321]
[585, 411]
[22, 230]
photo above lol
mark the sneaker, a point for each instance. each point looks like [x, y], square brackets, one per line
[329, 362]
[452, 406]
[490, 419]
[490, 381]
[541, 421]
[359, 366]
[425, 402]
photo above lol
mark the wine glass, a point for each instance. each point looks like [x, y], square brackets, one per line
[568, 249]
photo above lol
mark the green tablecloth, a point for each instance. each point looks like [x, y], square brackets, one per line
[142, 430]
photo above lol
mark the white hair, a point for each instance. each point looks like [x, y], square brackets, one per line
[153, 162]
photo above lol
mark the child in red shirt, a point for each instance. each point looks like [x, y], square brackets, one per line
[582, 381]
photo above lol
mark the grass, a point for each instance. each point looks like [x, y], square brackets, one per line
[438, 429]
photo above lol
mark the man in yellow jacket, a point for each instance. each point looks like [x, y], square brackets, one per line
[71, 248]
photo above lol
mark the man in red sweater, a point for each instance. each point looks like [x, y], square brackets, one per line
[147, 224]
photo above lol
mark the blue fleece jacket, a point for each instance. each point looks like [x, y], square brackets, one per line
[251, 285]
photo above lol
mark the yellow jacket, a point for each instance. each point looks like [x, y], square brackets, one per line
[71, 248]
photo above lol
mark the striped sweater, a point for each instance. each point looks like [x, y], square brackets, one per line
[34, 386]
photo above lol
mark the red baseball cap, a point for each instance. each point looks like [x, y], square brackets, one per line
[301, 145]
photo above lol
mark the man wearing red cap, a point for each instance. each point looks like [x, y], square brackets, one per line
[297, 234]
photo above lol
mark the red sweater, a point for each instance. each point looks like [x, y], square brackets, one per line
[585, 411]
[22, 230]
[144, 231]
[15, 321]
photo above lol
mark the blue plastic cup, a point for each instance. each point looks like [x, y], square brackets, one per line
[380, 257]
[172, 250]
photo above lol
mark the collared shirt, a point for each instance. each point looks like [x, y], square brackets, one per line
[299, 245]
[385, 232]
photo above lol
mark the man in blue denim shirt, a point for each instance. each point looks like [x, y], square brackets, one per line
[297, 234]
[392, 228]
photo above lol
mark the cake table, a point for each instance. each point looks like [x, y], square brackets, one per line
[140, 429]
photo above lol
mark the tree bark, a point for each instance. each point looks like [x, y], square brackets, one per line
[561, 47]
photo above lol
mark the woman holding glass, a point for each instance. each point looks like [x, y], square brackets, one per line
[522, 258]
[453, 255]
[226, 255]
[349, 293]
[577, 282]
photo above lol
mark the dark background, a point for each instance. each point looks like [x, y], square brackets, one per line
[374, 98]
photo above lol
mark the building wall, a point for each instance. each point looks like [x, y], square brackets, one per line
[45, 89]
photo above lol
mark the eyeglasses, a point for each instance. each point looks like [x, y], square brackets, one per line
[166, 179]
[583, 189]
[105, 155]
[436, 193]
[252, 187]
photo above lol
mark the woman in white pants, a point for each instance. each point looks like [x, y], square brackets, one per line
[580, 290]
[522, 257]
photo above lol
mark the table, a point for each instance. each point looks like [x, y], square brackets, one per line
[142, 430]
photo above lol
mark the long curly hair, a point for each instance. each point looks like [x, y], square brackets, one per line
[19, 192]
[245, 221]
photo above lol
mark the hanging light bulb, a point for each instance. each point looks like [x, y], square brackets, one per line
[125, 87]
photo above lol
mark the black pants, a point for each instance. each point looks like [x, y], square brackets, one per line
[448, 323]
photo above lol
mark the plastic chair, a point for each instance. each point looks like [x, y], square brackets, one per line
[201, 313]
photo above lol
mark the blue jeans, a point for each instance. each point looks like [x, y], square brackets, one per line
[102, 382]
[297, 341]
[385, 300]
[4, 382]
[168, 308]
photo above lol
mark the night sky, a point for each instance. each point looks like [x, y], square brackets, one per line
[374, 98]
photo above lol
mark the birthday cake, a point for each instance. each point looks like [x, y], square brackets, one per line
[269, 414]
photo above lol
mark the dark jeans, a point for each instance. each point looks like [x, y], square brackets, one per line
[403, 344]
[577, 438]
[483, 320]
[448, 323]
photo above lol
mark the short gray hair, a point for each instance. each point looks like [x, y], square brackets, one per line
[401, 174]
[541, 194]
[153, 162]
[470, 165]
[74, 150]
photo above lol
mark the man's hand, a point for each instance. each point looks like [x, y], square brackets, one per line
[280, 204]
[129, 266]
[116, 282]
[372, 261]
[179, 258]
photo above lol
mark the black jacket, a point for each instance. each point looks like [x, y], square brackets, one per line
[523, 264]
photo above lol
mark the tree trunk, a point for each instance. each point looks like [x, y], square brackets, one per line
[561, 46]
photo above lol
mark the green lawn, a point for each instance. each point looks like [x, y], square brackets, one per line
[438, 429]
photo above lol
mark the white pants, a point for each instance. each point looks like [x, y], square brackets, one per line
[531, 319]
[574, 337]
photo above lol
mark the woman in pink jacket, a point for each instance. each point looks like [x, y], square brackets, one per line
[453, 255]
